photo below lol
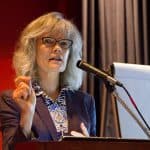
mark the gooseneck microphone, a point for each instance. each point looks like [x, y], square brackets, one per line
[101, 74]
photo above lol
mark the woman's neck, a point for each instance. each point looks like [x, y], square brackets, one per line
[50, 84]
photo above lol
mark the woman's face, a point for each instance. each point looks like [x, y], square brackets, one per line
[52, 53]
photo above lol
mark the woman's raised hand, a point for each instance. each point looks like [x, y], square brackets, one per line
[24, 95]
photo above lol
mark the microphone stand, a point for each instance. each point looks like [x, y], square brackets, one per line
[125, 106]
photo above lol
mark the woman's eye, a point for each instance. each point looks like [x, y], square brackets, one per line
[48, 41]
[63, 43]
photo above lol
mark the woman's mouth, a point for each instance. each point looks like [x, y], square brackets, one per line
[57, 59]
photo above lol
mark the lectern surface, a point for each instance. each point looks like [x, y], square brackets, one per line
[69, 143]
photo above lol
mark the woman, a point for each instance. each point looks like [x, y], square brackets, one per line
[47, 103]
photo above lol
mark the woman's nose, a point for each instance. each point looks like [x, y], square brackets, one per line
[57, 49]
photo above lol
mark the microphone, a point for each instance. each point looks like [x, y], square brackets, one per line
[101, 74]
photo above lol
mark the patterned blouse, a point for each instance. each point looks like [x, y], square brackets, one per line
[57, 108]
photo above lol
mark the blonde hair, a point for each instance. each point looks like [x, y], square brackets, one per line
[24, 56]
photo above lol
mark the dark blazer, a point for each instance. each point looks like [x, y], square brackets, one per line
[80, 108]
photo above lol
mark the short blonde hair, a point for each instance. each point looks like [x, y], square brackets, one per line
[24, 56]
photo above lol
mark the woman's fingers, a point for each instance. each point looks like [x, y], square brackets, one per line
[76, 134]
[24, 79]
[24, 94]
[22, 91]
[84, 131]
[19, 95]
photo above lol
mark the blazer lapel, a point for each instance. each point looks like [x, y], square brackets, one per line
[43, 112]
[72, 112]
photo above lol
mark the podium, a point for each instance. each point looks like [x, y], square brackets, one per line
[86, 144]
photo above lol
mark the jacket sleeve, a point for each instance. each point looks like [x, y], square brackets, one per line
[10, 118]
